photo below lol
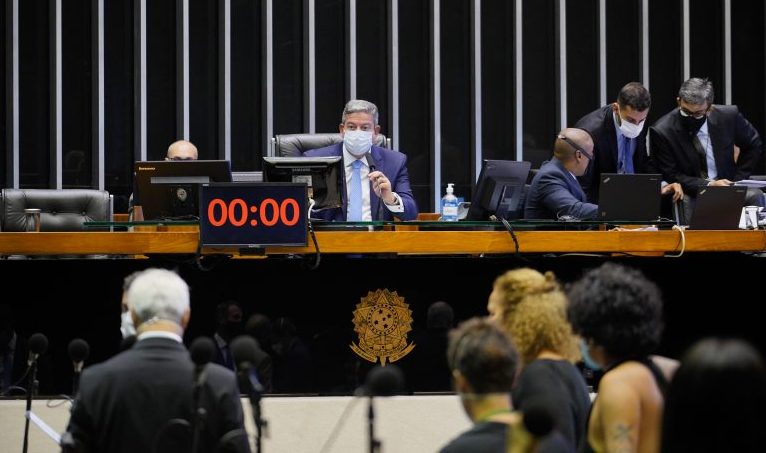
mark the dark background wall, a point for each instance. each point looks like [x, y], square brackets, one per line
[81, 298]
[540, 98]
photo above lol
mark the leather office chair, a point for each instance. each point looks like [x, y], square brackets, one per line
[61, 210]
[293, 145]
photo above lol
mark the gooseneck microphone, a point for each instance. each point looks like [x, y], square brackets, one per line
[371, 165]
[38, 344]
[201, 350]
[380, 381]
[248, 355]
[78, 351]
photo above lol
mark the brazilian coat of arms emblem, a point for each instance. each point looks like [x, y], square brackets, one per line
[382, 321]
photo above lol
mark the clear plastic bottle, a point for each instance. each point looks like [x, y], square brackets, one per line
[449, 205]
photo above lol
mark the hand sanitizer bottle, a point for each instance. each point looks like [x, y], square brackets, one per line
[449, 205]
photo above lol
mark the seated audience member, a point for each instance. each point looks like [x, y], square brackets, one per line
[141, 399]
[619, 140]
[696, 144]
[717, 400]
[555, 191]
[618, 313]
[531, 307]
[483, 363]
[366, 187]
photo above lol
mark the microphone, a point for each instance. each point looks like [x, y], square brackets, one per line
[371, 165]
[201, 350]
[382, 381]
[370, 162]
[78, 351]
[537, 417]
[248, 355]
[38, 344]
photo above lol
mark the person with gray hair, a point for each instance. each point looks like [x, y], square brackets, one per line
[142, 399]
[703, 144]
[377, 186]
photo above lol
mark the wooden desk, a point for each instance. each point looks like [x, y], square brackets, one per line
[400, 242]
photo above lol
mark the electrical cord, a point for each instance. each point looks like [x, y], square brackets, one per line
[339, 424]
[510, 230]
[681, 231]
[318, 254]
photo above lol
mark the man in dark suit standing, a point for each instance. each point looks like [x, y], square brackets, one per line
[377, 186]
[142, 399]
[619, 140]
[555, 191]
[696, 144]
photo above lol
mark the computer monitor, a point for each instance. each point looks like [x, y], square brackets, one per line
[323, 175]
[499, 190]
[169, 189]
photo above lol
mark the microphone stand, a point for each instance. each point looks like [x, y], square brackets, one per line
[200, 414]
[31, 388]
[374, 443]
[255, 393]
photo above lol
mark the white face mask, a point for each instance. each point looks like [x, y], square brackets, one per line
[357, 142]
[630, 130]
[126, 326]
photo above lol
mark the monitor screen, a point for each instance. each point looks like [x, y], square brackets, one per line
[323, 175]
[169, 189]
[499, 190]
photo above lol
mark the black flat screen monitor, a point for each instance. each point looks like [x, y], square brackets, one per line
[499, 190]
[169, 189]
[323, 176]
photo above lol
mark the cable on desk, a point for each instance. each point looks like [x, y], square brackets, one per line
[680, 230]
[318, 255]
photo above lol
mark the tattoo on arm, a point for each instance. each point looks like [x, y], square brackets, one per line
[621, 439]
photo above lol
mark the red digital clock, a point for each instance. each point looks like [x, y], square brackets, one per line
[253, 214]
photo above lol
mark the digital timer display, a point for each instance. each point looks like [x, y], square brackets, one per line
[253, 214]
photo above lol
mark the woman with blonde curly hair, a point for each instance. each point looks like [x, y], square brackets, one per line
[531, 307]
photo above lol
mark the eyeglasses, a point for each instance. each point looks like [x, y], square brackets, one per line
[575, 146]
[696, 115]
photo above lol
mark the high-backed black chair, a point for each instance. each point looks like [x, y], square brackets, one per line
[61, 210]
[293, 145]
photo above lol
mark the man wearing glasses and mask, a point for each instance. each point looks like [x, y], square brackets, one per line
[704, 144]
[619, 140]
[555, 192]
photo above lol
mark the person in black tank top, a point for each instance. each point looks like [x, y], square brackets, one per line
[618, 313]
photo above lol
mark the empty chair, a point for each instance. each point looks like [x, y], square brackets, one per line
[61, 210]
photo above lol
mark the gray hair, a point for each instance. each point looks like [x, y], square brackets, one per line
[158, 294]
[696, 91]
[359, 105]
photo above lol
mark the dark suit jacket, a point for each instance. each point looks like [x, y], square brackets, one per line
[391, 163]
[555, 192]
[600, 125]
[125, 403]
[672, 148]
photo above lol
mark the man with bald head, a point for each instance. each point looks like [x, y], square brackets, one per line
[555, 192]
[182, 150]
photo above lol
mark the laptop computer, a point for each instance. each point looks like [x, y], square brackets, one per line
[629, 197]
[718, 208]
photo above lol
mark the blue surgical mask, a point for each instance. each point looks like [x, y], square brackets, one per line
[357, 142]
[589, 362]
[126, 325]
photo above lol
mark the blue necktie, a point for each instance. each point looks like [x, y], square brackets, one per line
[625, 164]
[355, 194]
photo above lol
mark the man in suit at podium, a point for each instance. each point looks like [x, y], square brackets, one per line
[377, 186]
[142, 399]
